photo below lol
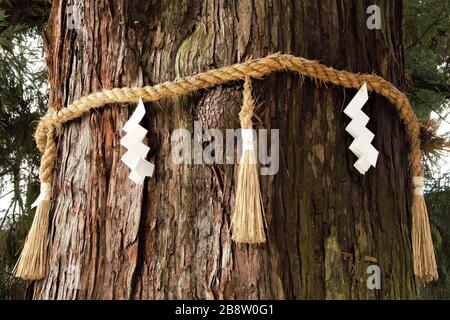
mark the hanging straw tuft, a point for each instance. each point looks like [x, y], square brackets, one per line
[32, 261]
[433, 145]
[248, 219]
[425, 268]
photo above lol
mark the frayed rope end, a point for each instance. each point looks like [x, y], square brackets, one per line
[248, 221]
[32, 261]
[425, 268]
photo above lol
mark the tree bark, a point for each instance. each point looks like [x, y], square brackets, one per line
[111, 239]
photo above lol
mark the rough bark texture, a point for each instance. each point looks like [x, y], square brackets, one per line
[110, 239]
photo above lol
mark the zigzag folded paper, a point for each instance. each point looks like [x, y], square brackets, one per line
[134, 158]
[361, 146]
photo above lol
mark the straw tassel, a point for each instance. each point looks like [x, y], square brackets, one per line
[31, 264]
[425, 268]
[248, 220]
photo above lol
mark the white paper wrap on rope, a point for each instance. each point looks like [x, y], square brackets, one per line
[361, 146]
[134, 158]
[248, 139]
[44, 195]
[418, 183]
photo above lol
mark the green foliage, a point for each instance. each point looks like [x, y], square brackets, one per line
[427, 53]
[22, 101]
[11, 240]
[438, 199]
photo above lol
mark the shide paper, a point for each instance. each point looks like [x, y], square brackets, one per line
[361, 146]
[134, 158]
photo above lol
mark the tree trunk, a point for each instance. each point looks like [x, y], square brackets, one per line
[111, 239]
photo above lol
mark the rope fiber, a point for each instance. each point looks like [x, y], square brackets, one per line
[31, 264]
[256, 68]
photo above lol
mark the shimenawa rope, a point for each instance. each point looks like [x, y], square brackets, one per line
[31, 264]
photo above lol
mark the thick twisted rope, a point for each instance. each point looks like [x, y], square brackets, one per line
[256, 68]
[246, 113]
[249, 214]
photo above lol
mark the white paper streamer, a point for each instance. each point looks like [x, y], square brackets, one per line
[418, 183]
[134, 158]
[44, 195]
[361, 146]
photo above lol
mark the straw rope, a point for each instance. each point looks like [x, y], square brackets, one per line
[256, 68]
[31, 264]
[246, 113]
[248, 219]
